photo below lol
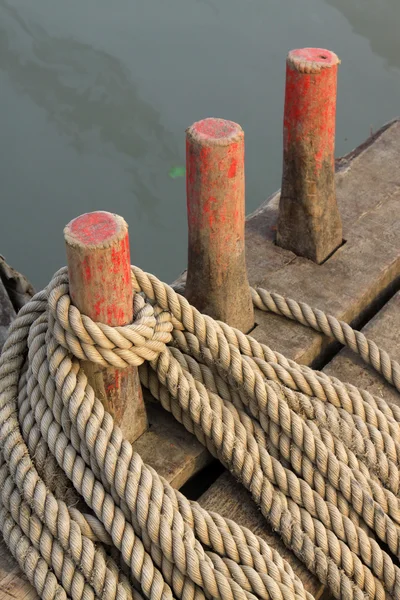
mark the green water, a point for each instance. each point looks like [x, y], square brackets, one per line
[96, 95]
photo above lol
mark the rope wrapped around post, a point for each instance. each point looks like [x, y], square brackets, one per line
[320, 458]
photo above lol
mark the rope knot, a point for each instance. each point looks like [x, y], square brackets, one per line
[122, 346]
[321, 458]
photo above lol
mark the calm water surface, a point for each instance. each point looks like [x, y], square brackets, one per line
[96, 96]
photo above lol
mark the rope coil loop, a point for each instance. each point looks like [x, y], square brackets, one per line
[87, 519]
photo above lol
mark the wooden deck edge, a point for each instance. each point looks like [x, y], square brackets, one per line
[342, 161]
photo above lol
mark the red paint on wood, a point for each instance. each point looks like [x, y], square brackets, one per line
[310, 103]
[87, 270]
[213, 129]
[215, 182]
[100, 278]
[216, 213]
[97, 309]
[101, 287]
[232, 168]
[94, 228]
[115, 384]
[319, 56]
[309, 222]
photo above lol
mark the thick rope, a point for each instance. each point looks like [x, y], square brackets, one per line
[320, 458]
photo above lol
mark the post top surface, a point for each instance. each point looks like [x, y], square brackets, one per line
[217, 131]
[95, 229]
[312, 60]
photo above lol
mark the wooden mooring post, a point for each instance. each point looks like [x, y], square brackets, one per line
[98, 257]
[217, 281]
[309, 221]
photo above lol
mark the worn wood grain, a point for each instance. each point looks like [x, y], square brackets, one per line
[12, 583]
[384, 330]
[173, 452]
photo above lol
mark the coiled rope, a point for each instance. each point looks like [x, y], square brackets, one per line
[320, 457]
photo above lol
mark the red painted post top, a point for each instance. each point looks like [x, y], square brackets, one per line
[217, 281]
[212, 129]
[312, 60]
[95, 228]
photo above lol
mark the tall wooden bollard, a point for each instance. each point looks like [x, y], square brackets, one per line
[100, 282]
[309, 222]
[217, 281]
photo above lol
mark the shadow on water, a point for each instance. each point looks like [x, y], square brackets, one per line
[376, 20]
[89, 95]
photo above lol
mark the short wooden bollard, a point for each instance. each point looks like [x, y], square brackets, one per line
[100, 282]
[309, 222]
[217, 281]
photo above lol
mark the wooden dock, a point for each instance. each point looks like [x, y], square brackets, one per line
[359, 284]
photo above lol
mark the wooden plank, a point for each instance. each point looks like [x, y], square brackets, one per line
[383, 329]
[229, 498]
[12, 583]
[172, 451]
[15, 586]
[350, 284]
[357, 279]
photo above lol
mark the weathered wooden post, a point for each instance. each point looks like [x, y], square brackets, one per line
[98, 259]
[217, 281]
[309, 222]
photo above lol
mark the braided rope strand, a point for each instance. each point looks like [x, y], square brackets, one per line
[320, 458]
